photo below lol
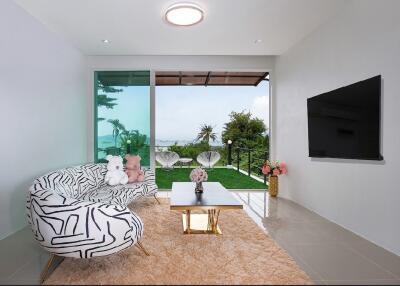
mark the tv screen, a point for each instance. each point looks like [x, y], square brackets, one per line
[345, 122]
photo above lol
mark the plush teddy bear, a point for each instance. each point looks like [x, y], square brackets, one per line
[115, 171]
[132, 169]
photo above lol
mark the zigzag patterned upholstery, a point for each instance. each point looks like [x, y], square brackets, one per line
[74, 213]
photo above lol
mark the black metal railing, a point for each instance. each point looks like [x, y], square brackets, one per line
[248, 159]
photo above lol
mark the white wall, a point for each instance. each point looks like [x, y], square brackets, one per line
[363, 196]
[42, 109]
[157, 63]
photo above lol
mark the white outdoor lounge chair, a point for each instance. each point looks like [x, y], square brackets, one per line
[208, 159]
[167, 159]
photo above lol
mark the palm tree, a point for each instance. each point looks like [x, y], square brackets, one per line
[206, 133]
[104, 99]
[117, 128]
[138, 141]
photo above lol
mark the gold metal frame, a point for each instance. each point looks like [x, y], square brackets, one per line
[157, 199]
[203, 223]
[49, 264]
[141, 247]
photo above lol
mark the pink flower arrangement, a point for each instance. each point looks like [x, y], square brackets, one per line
[274, 168]
[198, 175]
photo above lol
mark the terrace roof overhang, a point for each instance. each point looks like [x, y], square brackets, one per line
[183, 78]
[210, 78]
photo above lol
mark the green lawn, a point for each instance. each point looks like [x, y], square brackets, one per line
[229, 178]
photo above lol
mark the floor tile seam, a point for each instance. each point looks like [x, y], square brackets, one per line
[372, 261]
[283, 246]
[20, 268]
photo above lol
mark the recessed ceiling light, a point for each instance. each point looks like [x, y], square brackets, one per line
[257, 41]
[184, 14]
[105, 41]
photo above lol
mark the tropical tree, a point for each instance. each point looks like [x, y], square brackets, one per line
[139, 144]
[137, 140]
[206, 133]
[106, 101]
[244, 130]
[117, 128]
[190, 150]
[103, 99]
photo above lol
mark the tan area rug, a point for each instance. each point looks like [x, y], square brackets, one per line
[244, 254]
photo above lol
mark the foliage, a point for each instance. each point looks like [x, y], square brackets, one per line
[104, 99]
[137, 140]
[190, 150]
[117, 128]
[139, 146]
[206, 133]
[248, 135]
[244, 130]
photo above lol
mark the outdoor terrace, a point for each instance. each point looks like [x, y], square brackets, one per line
[238, 168]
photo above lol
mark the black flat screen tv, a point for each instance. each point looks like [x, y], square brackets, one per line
[345, 122]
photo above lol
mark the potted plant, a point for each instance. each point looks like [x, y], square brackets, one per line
[273, 170]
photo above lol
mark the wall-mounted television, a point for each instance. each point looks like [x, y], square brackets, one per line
[345, 122]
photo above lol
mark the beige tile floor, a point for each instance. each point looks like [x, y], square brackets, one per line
[327, 252]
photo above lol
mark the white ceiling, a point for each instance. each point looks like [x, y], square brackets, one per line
[137, 27]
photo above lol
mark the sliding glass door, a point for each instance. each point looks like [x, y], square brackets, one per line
[122, 114]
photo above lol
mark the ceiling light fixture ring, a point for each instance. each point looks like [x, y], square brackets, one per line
[184, 14]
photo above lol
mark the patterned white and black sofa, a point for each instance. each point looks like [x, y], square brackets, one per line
[74, 213]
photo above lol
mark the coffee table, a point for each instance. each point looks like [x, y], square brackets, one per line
[201, 211]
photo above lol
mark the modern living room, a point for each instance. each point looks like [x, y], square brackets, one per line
[308, 195]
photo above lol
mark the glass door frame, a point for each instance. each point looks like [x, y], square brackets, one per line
[93, 154]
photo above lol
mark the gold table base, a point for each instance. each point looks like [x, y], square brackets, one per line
[203, 223]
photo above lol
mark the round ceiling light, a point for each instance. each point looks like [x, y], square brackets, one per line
[184, 14]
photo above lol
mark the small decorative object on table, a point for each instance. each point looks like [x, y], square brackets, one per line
[198, 176]
[273, 170]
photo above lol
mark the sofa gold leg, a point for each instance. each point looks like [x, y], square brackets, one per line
[140, 246]
[49, 264]
[157, 200]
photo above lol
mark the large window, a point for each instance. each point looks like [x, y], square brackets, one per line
[122, 114]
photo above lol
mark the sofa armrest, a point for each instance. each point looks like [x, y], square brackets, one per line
[81, 229]
[149, 176]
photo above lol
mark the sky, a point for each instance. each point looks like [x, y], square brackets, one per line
[132, 110]
[180, 110]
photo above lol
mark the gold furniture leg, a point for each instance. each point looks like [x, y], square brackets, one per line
[204, 223]
[216, 222]
[157, 199]
[45, 271]
[188, 221]
[141, 247]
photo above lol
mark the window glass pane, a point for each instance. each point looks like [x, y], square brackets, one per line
[122, 114]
